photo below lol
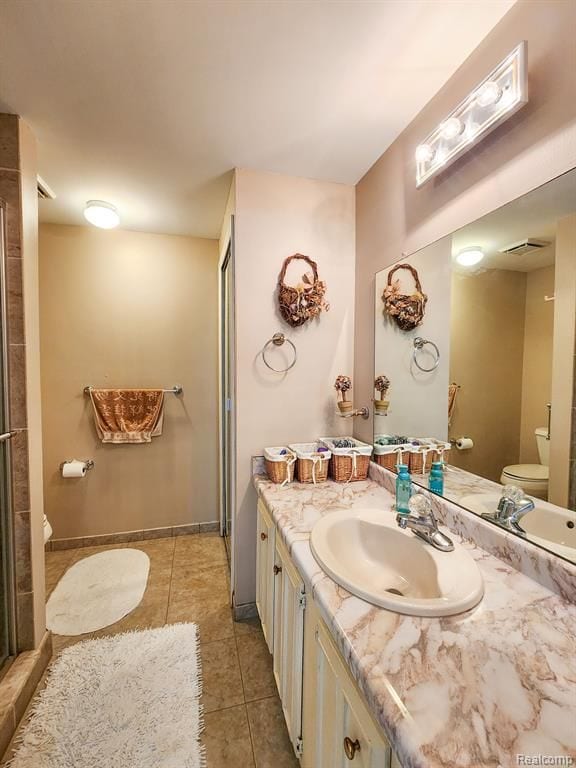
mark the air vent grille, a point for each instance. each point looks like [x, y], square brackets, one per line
[525, 246]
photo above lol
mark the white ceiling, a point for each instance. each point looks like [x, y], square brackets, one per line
[533, 216]
[149, 104]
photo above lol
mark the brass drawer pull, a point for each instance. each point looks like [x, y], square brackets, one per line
[277, 569]
[263, 536]
[351, 747]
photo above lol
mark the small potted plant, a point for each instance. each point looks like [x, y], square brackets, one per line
[342, 385]
[381, 385]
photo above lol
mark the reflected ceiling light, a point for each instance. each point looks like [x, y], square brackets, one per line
[502, 93]
[451, 128]
[424, 153]
[488, 94]
[470, 256]
[101, 214]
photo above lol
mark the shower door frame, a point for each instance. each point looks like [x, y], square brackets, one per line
[8, 624]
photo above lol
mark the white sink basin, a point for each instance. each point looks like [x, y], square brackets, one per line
[366, 552]
[546, 525]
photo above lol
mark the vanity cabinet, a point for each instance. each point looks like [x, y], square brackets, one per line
[339, 729]
[265, 554]
[328, 722]
[288, 647]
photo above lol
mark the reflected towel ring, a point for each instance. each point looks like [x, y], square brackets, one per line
[278, 340]
[419, 344]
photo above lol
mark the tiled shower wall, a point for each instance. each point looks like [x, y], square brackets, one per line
[11, 200]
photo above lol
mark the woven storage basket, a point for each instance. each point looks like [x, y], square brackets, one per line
[389, 456]
[348, 464]
[420, 459]
[311, 465]
[439, 453]
[280, 467]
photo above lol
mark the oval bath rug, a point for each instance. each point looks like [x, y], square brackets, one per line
[98, 591]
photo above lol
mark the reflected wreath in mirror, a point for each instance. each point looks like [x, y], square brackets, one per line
[406, 309]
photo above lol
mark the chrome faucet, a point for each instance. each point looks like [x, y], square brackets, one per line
[422, 521]
[512, 507]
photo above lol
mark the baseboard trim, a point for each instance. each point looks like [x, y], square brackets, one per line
[18, 685]
[125, 537]
[245, 611]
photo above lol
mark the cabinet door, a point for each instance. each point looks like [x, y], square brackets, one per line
[266, 533]
[345, 730]
[289, 605]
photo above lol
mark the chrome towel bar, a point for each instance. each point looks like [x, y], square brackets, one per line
[175, 390]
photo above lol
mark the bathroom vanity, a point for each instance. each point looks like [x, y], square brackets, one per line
[369, 686]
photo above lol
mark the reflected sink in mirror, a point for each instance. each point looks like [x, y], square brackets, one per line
[548, 526]
[366, 552]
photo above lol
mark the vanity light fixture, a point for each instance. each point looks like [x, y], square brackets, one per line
[468, 257]
[101, 214]
[502, 93]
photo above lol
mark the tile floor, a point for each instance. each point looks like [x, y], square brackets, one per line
[189, 581]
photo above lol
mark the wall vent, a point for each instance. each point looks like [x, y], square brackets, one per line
[523, 247]
[44, 191]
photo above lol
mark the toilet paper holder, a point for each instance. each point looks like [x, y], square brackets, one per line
[88, 462]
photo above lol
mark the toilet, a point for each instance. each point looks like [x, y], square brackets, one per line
[532, 478]
[47, 530]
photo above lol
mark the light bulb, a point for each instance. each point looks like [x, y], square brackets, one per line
[488, 94]
[451, 128]
[101, 214]
[470, 256]
[424, 153]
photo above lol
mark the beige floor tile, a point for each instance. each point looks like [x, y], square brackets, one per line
[214, 618]
[272, 747]
[200, 552]
[222, 684]
[210, 583]
[255, 667]
[227, 739]
[248, 627]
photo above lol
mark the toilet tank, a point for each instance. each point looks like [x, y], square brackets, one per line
[543, 445]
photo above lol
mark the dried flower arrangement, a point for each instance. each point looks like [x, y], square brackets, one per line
[342, 385]
[381, 385]
[407, 310]
[300, 303]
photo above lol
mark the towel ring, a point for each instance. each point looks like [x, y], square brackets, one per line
[419, 344]
[277, 340]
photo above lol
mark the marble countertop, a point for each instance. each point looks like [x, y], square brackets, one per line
[467, 691]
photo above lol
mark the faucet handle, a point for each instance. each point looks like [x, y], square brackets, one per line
[420, 505]
[513, 493]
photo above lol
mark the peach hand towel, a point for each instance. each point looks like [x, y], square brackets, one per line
[128, 415]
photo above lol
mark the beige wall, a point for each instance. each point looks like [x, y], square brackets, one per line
[486, 352]
[533, 147]
[537, 366]
[128, 309]
[277, 216]
[563, 360]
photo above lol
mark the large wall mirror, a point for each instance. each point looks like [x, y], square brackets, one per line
[476, 334]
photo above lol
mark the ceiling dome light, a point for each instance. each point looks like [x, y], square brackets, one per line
[424, 153]
[470, 256]
[488, 94]
[101, 214]
[451, 128]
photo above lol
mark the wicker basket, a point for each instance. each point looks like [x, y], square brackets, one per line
[280, 466]
[389, 456]
[311, 465]
[420, 459]
[348, 464]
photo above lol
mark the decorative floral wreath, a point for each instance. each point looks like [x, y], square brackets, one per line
[298, 304]
[407, 310]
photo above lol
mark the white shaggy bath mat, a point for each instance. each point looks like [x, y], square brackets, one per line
[98, 591]
[126, 701]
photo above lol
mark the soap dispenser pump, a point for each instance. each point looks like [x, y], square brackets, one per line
[403, 490]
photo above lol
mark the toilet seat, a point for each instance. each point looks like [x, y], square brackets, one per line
[532, 478]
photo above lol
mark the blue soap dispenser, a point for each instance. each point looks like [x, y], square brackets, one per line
[436, 478]
[403, 490]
